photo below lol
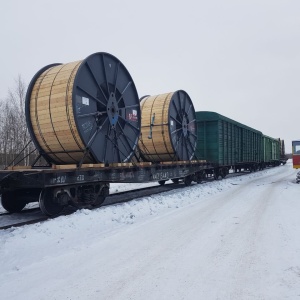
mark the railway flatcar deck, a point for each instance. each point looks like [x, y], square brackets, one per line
[60, 185]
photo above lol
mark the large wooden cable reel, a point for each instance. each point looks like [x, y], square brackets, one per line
[168, 130]
[86, 109]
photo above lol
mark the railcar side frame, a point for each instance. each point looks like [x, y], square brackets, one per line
[59, 186]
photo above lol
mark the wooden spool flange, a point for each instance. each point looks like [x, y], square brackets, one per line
[168, 130]
[84, 112]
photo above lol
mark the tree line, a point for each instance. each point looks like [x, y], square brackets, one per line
[14, 135]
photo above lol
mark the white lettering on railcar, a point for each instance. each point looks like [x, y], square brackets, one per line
[80, 178]
[161, 175]
[59, 179]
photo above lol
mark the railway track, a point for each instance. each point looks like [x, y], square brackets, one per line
[24, 211]
[34, 215]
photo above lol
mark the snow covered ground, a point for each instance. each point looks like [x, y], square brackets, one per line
[237, 238]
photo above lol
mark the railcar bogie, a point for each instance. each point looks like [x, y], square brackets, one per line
[53, 200]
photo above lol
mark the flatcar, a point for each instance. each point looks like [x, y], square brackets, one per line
[57, 186]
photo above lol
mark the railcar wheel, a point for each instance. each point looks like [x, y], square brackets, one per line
[200, 176]
[188, 180]
[175, 180]
[216, 174]
[221, 175]
[11, 202]
[99, 201]
[162, 182]
[47, 202]
[101, 197]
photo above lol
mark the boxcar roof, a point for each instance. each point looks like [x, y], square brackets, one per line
[213, 116]
[271, 138]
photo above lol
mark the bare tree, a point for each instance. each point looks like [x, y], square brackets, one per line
[14, 135]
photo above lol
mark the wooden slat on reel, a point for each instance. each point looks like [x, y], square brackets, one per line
[51, 114]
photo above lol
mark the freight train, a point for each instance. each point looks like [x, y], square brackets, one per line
[87, 122]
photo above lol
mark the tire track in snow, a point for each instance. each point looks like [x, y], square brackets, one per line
[174, 237]
[240, 250]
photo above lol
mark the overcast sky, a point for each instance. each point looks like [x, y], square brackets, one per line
[238, 58]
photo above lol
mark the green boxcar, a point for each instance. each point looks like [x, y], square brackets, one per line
[226, 142]
[271, 149]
